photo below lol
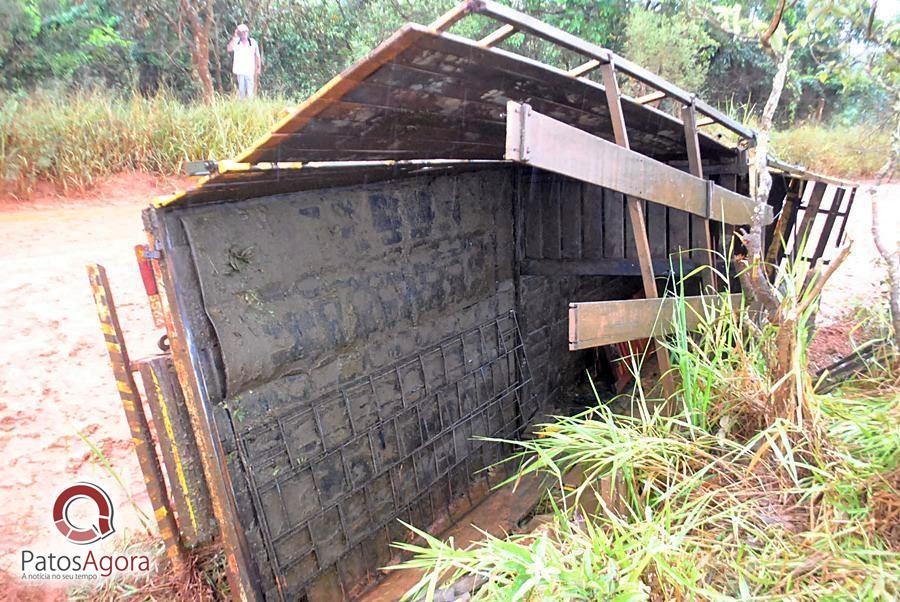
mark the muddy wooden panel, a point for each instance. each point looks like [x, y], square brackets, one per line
[571, 219]
[272, 315]
[614, 225]
[607, 322]
[551, 191]
[657, 229]
[446, 76]
[181, 457]
[679, 231]
[592, 222]
[533, 217]
[555, 146]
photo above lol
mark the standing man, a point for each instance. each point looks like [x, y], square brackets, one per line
[247, 61]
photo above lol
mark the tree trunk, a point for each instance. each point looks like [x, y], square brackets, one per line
[199, 16]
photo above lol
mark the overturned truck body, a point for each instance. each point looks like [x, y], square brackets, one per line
[388, 277]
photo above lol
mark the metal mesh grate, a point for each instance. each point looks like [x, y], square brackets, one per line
[334, 475]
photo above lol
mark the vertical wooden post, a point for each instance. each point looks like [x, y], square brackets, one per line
[636, 213]
[695, 164]
[134, 412]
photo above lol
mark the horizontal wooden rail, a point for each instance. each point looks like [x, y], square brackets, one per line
[599, 323]
[544, 142]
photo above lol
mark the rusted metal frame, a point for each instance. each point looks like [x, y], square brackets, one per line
[240, 571]
[497, 36]
[811, 211]
[652, 97]
[695, 163]
[636, 212]
[529, 24]
[786, 218]
[825, 235]
[141, 437]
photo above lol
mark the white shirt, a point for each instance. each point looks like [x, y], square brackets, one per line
[245, 54]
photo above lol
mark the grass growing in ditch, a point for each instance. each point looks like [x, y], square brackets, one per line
[708, 504]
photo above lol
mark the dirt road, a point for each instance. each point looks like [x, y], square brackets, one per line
[55, 382]
[56, 386]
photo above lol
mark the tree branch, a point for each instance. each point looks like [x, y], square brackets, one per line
[773, 26]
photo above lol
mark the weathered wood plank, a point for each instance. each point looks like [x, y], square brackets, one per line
[570, 218]
[594, 324]
[613, 224]
[555, 146]
[592, 222]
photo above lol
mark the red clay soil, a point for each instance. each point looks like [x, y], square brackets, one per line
[55, 381]
[56, 385]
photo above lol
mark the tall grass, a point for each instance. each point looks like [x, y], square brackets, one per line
[843, 151]
[707, 503]
[73, 139]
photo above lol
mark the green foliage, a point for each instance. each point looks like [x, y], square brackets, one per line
[704, 508]
[675, 47]
[59, 40]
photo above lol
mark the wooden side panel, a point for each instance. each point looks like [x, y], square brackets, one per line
[592, 222]
[613, 223]
[606, 322]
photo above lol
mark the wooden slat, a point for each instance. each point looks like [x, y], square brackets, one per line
[786, 216]
[584, 68]
[604, 266]
[594, 324]
[810, 212]
[642, 100]
[497, 36]
[561, 148]
[570, 219]
[613, 224]
[635, 213]
[592, 222]
[695, 163]
[825, 234]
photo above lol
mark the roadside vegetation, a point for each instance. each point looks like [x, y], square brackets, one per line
[71, 139]
[93, 87]
[710, 500]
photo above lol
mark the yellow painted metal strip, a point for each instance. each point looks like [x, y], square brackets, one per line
[170, 431]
